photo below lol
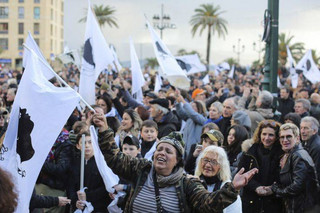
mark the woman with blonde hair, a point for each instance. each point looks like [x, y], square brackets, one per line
[130, 125]
[213, 169]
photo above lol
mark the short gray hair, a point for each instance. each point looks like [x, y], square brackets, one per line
[266, 99]
[314, 122]
[305, 103]
[218, 106]
[162, 109]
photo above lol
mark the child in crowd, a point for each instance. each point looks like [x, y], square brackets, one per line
[148, 133]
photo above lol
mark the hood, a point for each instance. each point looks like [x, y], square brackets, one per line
[245, 146]
[266, 113]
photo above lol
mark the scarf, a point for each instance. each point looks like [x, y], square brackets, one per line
[171, 179]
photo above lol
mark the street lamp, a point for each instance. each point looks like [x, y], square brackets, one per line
[259, 50]
[240, 49]
[162, 22]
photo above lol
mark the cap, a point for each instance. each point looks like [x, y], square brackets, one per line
[214, 135]
[151, 95]
[161, 101]
[131, 140]
[197, 92]
[175, 139]
[104, 86]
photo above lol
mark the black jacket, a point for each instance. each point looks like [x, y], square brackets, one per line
[54, 174]
[313, 148]
[168, 124]
[96, 193]
[224, 125]
[39, 201]
[267, 161]
[285, 106]
[298, 183]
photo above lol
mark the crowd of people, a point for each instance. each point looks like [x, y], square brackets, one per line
[224, 146]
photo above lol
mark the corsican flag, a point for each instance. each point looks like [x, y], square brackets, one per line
[170, 68]
[137, 76]
[109, 178]
[158, 83]
[96, 57]
[309, 68]
[39, 112]
[115, 59]
[70, 56]
[293, 73]
[32, 44]
[231, 72]
[191, 64]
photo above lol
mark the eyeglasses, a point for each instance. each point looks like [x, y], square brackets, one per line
[211, 162]
[288, 137]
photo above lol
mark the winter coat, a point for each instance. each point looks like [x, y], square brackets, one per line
[96, 193]
[191, 194]
[285, 106]
[168, 124]
[194, 123]
[39, 201]
[267, 161]
[315, 111]
[298, 183]
[190, 163]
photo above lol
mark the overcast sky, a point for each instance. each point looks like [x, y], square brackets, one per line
[245, 21]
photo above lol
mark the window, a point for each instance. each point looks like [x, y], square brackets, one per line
[4, 43]
[20, 12]
[4, 1]
[61, 19]
[36, 1]
[61, 33]
[36, 28]
[4, 12]
[21, 1]
[51, 12]
[36, 12]
[20, 28]
[20, 44]
[37, 41]
[4, 27]
[51, 30]
[51, 45]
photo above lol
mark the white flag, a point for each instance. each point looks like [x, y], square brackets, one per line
[231, 72]
[38, 115]
[279, 85]
[293, 73]
[96, 57]
[158, 83]
[115, 59]
[191, 64]
[309, 68]
[172, 71]
[31, 43]
[70, 56]
[136, 72]
[108, 177]
[206, 80]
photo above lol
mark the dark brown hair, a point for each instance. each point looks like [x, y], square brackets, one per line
[8, 197]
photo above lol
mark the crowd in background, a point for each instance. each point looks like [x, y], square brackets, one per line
[225, 125]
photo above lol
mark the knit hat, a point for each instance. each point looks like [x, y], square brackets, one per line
[242, 118]
[161, 102]
[214, 135]
[197, 92]
[174, 139]
[131, 140]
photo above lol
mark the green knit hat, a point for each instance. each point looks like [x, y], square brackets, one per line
[175, 139]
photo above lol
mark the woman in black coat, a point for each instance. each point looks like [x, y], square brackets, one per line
[264, 154]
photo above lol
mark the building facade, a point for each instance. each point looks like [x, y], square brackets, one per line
[43, 18]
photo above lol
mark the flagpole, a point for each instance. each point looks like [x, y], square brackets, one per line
[60, 79]
[83, 144]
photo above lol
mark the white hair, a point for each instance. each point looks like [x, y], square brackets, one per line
[224, 172]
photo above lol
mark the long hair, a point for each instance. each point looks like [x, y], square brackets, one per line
[264, 124]
[8, 197]
[224, 173]
[241, 134]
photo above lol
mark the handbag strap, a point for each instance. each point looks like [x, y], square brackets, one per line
[157, 193]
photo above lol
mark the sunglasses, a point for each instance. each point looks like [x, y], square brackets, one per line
[269, 123]
[211, 162]
[288, 137]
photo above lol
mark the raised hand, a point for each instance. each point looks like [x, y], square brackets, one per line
[241, 179]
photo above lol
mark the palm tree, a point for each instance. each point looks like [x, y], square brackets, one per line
[208, 16]
[152, 63]
[104, 14]
[295, 48]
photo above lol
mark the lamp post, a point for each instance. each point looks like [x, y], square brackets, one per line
[162, 22]
[259, 49]
[238, 50]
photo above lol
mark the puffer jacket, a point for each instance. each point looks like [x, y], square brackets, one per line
[191, 194]
[298, 182]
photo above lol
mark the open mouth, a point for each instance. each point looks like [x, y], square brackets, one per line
[160, 159]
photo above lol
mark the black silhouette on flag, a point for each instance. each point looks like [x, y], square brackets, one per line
[160, 50]
[306, 67]
[87, 53]
[183, 65]
[24, 142]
